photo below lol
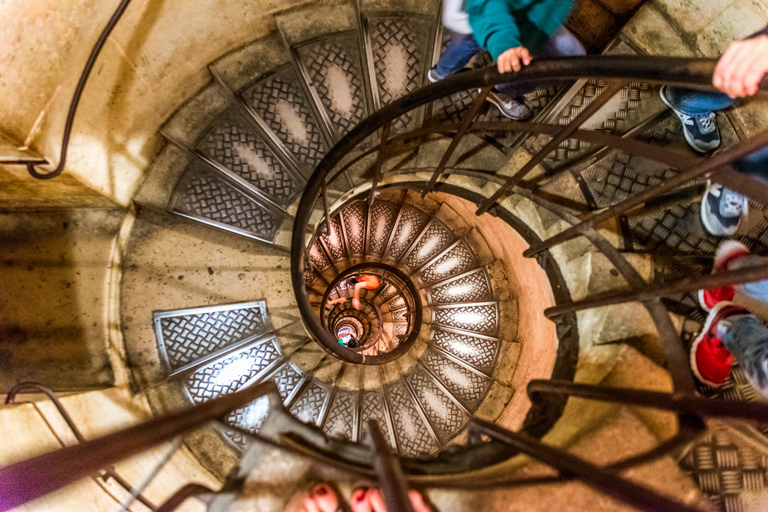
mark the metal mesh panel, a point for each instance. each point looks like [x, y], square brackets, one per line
[412, 434]
[456, 261]
[334, 240]
[467, 386]
[374, 408]
[383, 216]
[235, 146]
[482, 319]
[354, 226]
[309, 405]
[341, 416]
[477, 351]
[473, 287]
[333, 65]
[279, 101]
[436, 238]
[204, 195]
[446, 417]
[409, 225]
[186, 338]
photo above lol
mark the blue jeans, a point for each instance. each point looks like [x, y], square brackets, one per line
[460, 51]
[700, 103]
[747, 339]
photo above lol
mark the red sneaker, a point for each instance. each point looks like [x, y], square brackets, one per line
[710, 360]
[728, 251]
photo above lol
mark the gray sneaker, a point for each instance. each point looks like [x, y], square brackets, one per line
[700, 132]
[432, 76]
[722, 210]
[510, 107]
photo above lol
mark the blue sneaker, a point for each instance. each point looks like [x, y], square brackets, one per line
[700, 132]
[722, 210]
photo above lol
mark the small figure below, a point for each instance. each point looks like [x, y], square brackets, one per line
[348, 341]
[367, 281]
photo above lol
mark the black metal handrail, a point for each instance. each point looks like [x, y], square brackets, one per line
[100, 42]
[618, 71]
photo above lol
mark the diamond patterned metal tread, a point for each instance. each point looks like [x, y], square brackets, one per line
[397, 45]
[354, 217]
[204, 196]
[278, 100]
[481, 318]
[383, 217]
[478, 351]
[467, 386]
[456, 260]
[310, 404]
[334, 241]
[434, 240]
[446, 417]
[288, 378]
[414, 437]
[474, 286]
[341, 416]
[409, 225]
[184, 336]
[333, 66]
[234, 145]
[374, 408]
[232, 373]
[249, 418]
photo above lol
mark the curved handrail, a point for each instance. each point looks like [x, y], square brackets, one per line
[100, 42]
[688, 72]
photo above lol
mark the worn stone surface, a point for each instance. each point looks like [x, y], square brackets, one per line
[53, 305]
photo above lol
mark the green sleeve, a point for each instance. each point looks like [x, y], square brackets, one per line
[493, 25]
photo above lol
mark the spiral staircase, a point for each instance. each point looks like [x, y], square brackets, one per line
[248, 188]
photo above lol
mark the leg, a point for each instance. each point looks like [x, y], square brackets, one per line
[460, 51]
[696, 103]
[747, 339]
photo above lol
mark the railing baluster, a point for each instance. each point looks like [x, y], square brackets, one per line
[674, 402]
[326, 210]
[393, 484]
[32, 478]
[465, 124]
[605, 96]
[379, 161]
[705, 169]
[592, 475]
[689, 284]
[125, 507]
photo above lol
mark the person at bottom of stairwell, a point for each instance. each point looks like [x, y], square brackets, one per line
[737, 74]
[514, 32]
[730, 330]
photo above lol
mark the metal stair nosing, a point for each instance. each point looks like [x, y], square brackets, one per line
[422, 413]
[415, 242]
[262, 129]
[444, 388]
[387, 413]
[442, 253]
[398, 217]
[479, 270]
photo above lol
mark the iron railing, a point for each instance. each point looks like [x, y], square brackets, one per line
[374, 141]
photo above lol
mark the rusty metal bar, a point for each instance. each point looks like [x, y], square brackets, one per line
[326, 210]
[689, 284]
[705, 169]
[605, 96]
[379, 161]
[182, 495]
[394, 486]
[675, 402]
[601, 479]
[32, 478]
[465, 124]
[135, 493]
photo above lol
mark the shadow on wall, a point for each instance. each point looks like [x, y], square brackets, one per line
[54, 271]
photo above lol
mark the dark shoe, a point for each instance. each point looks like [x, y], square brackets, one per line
[710, 360]
[727, 252]
[700, 131]
[722, 210]
[512, 108]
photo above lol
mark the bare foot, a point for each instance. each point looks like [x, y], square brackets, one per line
[370, 500]
[321, 499]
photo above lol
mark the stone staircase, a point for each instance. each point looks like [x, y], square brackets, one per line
[237, 157]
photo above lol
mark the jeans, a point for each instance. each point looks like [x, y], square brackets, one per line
[700, 103]
[747, 339]
[562, 44]
[460, 51]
